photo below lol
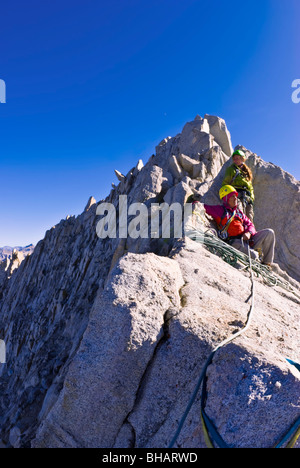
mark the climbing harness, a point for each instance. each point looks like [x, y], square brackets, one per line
[228, 253]
[223, 230]
[237, 173]
[244, 196]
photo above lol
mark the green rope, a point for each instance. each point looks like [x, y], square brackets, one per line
[233, 256]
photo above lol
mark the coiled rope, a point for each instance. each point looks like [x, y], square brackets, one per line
[230, 255]
[233, 256]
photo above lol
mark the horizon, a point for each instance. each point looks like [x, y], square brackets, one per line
[94, 86]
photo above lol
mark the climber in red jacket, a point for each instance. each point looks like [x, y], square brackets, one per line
[235, 228]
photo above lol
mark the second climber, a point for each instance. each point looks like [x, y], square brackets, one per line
[239, 176]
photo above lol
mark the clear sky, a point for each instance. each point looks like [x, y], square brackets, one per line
[95, 85]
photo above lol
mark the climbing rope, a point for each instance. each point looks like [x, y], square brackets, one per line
[231, 255]
[202, 377]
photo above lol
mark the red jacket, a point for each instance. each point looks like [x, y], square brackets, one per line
[240, 223]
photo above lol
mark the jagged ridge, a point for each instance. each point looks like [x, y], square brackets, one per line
[85, 360]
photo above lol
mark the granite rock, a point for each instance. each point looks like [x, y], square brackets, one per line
[105, 338]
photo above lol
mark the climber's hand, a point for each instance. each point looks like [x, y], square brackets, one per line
[246, 236]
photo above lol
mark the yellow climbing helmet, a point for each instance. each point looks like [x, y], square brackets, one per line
[226, 190]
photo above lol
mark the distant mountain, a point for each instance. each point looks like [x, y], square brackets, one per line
[6, 251]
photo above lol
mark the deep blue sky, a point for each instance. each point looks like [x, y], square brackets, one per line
[94, 85]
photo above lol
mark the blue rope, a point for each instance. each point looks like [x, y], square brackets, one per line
[294, 364]
[289, 434]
